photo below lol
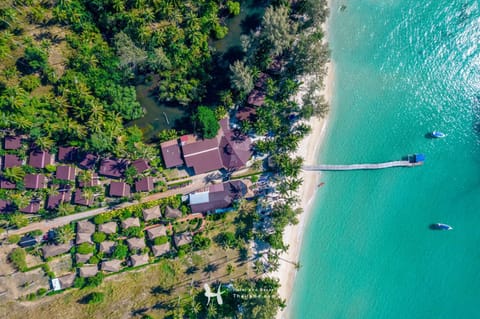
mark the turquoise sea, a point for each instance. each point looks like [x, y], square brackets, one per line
[403, 68]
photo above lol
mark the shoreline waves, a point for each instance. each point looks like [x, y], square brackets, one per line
[293, 234]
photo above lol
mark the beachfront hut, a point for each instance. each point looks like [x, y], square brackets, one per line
[55, 250]
[88, 271]
[66, 281]
[108, 228]
[111, 265]
[130, 222]
[106, 246]
[138, 260]
[172, 212]
[136, 243]
[155, 232]
[151, 213]
[159, 250]
[81, 259]
[182, 239]
[85, 226]
[83, 238]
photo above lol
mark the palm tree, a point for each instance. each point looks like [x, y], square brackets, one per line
[14, 174]
[65, 234]
[212, 311]
[65, 209]
[20, 200]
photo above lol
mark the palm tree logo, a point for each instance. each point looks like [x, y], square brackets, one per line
[209, 294]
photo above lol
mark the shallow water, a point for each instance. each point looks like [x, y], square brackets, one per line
[403, 69]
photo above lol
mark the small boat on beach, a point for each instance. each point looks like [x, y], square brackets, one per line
[438, 134]
[440, 226]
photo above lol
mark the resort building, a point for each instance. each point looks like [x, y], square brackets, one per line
[229, 149]
[218, 196]
[12, 142]
[144, 184]
[35, 181]
[65, 172]
[172, 212]
[155, 232]
[138, 260]
[119, 189]
[40, 159]
[159, 250]
[87, 271]
[67, 154]
[111, 265]
[64, 195]
[10, 160]
[79, 198]
[31, 208]
[130, 222]
[55, 250]
[135, 243]
[106, 247]
[141, 165]
[151, 213]
[108, 228]
[88, 161]
[81, 259]
[113, 168]
[182, 239]
[6, 184]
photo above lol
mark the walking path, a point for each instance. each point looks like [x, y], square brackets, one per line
[197, 182]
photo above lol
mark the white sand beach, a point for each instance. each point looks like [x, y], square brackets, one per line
[293, 235]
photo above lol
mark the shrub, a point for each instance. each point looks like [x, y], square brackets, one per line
[98, 237]
[199, 242]
[101, 219]
[233, 7]
[36, 232]
[94, 260]
[94, 281]
[126, 213]
[13, 239]
[120, 252]
[17, 258]
[133, 232]
[51, 168]
[79, 282]
[41, 291]
[160, 240]
[94, 298]
[85, 248]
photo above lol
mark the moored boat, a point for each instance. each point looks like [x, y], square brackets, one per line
[438, 134]
[440, 226]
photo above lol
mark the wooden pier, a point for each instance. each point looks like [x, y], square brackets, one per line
[353, 167]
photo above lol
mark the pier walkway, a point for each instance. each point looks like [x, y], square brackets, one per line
[359, 166]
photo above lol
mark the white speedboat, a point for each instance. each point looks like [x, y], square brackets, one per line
[438, 134]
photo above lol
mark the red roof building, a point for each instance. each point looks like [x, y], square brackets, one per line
[35, 181]
[31, 208]
[119, 189]
[6, 184]
[80, 199]
[88, 161]
[113, 168]
[63, 196]
[91, 183]
[67, 154]
[144, 184]
[256, 97]
[39, 159]
[202, 154]
[65, 172]
[141, 165]
[12, 142]
[10, 160]
[217, 196]
[172, 156]
[235, 147]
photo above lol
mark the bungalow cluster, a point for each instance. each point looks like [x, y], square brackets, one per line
[133, 238]
[73, 178]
